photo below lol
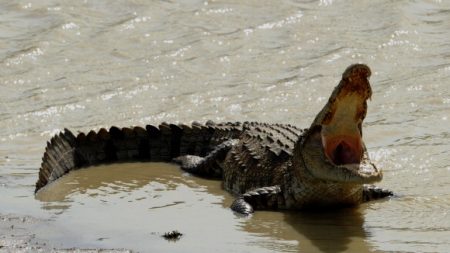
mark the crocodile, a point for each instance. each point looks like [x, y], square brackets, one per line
[267, 166]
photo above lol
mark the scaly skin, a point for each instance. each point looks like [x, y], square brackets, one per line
[269, 166]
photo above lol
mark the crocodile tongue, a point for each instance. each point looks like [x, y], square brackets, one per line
[343, 149]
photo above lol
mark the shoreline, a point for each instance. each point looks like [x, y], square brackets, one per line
[17, 235]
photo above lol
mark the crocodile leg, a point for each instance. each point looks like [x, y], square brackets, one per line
[210, 165]
[372, 192]
[259, 198]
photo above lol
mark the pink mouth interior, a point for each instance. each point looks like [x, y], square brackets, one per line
[343, 149]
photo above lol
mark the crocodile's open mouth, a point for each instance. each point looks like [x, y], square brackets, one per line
[341, 134]
[343, 116]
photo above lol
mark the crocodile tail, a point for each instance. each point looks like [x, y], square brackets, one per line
[58, 159]
[66, 152]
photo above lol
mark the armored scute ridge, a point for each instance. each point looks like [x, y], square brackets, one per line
[268, 166]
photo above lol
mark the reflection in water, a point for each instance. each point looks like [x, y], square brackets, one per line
[333, 231]
[121, 178]
[341, 226]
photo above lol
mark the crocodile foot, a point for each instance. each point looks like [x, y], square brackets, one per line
[208, 166]
[372, 192]
[259, 198]
[189, 162]
[241, 206]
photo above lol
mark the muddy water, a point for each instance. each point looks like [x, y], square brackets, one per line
[91, 64]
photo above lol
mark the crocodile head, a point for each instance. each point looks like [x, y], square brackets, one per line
[333, 148]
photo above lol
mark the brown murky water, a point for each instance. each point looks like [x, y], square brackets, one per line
[91, 64]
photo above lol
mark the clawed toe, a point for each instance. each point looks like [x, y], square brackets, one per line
[242, 207]
[372, 192]
[188, 162]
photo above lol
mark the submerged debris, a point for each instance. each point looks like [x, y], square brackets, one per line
[172, 236]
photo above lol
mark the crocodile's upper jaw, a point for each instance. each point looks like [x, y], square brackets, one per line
[334, 149]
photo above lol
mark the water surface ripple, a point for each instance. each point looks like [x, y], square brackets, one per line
[91, 64]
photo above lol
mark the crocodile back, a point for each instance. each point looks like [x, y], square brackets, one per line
[261, 157]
